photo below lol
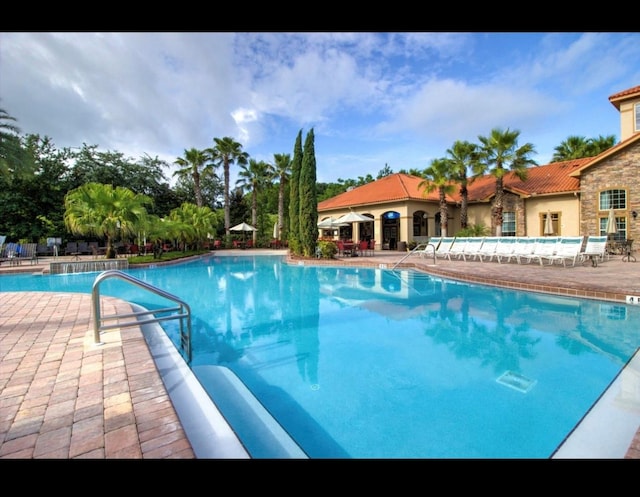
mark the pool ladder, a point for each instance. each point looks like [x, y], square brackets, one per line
[420, 247]
[183, 309]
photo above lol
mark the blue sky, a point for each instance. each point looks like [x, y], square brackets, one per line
[372, 99]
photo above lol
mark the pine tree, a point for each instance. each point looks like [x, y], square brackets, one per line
[294, 197]
[308, 220]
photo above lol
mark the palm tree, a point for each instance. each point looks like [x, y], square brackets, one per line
[12, 155]
[463, 158]
[282, 170]
[227, 151]
[253, 177]
[438, 176]
[499, 154]
[96, 209]
[574, 147]
[600, 144]
[194, 164]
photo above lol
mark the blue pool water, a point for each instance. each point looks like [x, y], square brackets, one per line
[374, 363]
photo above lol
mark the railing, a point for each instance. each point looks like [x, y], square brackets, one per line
[182, 308]
[417, 248]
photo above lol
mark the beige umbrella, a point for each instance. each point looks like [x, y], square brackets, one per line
[354, 217]
[330, 223]
[612, 227]
[548, 224]
[244, 227]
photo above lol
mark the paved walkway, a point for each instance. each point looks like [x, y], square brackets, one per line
[62, 396]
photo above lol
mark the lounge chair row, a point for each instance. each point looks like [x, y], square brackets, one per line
[523, 250]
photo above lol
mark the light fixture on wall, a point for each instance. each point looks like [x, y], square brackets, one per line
[634, 214]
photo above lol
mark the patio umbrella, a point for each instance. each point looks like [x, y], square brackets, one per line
[354, 217]
[244, 227]
[612, 228]
[330, 223]
[275, 231]
[548, 224]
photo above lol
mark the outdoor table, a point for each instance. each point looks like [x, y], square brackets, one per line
[350, 247]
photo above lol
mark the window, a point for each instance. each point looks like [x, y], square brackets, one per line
[508, 224]
[613, 199]
[637, 113]
[621, 228]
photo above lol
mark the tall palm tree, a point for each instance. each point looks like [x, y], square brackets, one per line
[194, 164]
[499, 154]
[227, 151]
[96, 209]
[282, 170]
[463, 158]
[13, 158]
[438, 176]
[253, 177]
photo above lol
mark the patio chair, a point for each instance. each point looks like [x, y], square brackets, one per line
[457, 248]
[545, 247]
[567, 249]
[443, 248]
[504, 249]
[523, 248]
[488, 248]
[595, 250]
[472, 247]
[29, 251]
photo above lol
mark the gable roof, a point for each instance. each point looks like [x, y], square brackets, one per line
[607, 153]
[554, 178]
[617, 98]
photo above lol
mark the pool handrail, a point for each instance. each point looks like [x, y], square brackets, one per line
[182, 307]
[419, 247]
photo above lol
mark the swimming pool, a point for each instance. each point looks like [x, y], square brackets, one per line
[363, 362]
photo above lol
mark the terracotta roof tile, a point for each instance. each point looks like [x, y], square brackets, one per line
[553, 178]
[619, 97]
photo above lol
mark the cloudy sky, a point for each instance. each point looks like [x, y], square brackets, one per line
[372, 99]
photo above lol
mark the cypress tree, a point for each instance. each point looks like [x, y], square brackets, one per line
[294, 197]
[308, 220]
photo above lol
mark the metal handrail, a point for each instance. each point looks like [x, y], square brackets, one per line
[182, 307]
[420, 246]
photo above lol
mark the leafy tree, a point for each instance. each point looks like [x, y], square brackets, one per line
[463, 157]
[499, 154]
[226, 152]
[308, 220]
[194, 164]
[105, 211]
[294, 197]
[438, 177]
[384, 172]
[193, 224]
[15, 161]
[282, 171]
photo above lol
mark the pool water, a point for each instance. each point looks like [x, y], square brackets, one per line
[374, 363]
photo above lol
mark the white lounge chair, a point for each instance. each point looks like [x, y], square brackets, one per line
[430, 247]
[567, 249]
[445, 246]
[472, 247]
[457, 249]
[504, 249]
[595, 250]
[523, 248]
[488, 248]
[545, 247]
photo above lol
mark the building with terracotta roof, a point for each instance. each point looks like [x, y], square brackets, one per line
[576, 194]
